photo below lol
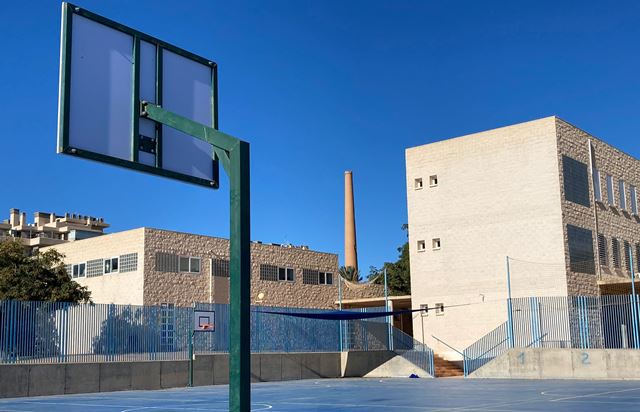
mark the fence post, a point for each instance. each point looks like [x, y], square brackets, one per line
[634, 303]
[509, 308]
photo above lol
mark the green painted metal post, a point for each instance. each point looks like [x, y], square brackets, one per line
[240, 282]
[190, 383]
[234, 156]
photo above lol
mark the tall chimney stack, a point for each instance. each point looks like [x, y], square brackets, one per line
[350, 249]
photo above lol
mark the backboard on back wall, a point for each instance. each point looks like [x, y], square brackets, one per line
[106, 69]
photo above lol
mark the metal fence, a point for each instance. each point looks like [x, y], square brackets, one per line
[584, 322]
[44, 332]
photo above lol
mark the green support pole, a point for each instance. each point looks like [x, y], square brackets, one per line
[190, 384]
[234, 156]
[240, 284]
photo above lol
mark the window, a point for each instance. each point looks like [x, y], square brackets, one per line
[433, 181]
[111, 265]
[581, 258]
[435, 244]
[425, 309]
[95, 268]
[627, 255]
[634, 200]
[623, 198]
[285, 274]
[610, 197]
[310, 277]
[325, 278]
[417, 183]
[194, 264]
[79, 270]
[128, 262]
[421, 246]
[184, 263]
[615, 250]
[189, 264]
[602, 250]
[576, 181]
[439, 309]
[220, 268]
[167, 327]
[166, 262]
[269, 272]
[597, 188]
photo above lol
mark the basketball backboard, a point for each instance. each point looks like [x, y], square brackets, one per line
[106, 69]
[204, 321]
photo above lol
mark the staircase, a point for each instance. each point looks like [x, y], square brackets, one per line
[445, 368]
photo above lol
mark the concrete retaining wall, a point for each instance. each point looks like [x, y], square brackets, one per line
[563, 364]
[35, 380]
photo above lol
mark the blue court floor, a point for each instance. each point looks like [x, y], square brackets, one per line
[373, 395]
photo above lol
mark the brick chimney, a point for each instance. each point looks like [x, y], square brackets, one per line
[350, 248]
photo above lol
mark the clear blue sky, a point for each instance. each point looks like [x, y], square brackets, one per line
[319, 87]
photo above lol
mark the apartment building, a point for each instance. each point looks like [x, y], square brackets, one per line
[148, 266]
[49, 229]
[560, 203]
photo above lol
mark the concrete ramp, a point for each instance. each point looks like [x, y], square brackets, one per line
[397, 367]
[539, 363]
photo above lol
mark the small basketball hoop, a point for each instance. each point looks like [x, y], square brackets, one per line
[204, 321]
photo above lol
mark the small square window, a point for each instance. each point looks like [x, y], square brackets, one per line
[417, 183]
[421, 245]
[282, 274]
[82, 270]
[433, 181]
[322, 278]
[114, 264]
[439, 309]
[107, 266]
[329, 278]
[289, 274]
[435, 244]
[425, 310]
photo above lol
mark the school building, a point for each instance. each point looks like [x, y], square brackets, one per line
[561, 204]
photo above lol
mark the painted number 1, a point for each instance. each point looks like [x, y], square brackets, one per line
[521, 357]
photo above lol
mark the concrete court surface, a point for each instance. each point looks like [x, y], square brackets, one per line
[374, 395]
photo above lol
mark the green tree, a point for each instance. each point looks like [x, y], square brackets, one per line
[350, 273]
[398, 272]
[40, 277]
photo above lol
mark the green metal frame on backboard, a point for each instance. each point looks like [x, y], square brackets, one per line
[233, 153]
[65, 83]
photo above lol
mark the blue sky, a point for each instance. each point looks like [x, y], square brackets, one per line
[320, 87]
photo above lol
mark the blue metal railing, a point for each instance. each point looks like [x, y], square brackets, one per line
[44, 332]
[413, 351]
[585, 322]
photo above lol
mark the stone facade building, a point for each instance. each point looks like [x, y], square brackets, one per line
[561, 204]
[152, 267]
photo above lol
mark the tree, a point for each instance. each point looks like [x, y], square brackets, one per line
[350, 273]
[40, 277]
[398, 273]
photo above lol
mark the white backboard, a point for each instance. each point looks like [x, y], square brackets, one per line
[204, 321]
[106, 69]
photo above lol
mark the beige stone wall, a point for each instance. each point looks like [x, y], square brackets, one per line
[498, 195]
[611, 221]
[122, 288]
[183, 289]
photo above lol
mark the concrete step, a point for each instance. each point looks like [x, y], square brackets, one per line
[445, 368]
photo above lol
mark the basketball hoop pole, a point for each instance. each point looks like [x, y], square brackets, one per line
[234, 156]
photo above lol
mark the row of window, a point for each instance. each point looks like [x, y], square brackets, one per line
[168, 262]
[220, 268]
[616, 255]
[98, 267]
[439, 309]
[435, 244]
[276, 273]
[417, 182]
[576, 187]
[581, 256]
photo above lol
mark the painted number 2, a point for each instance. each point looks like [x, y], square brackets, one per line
[585, 358]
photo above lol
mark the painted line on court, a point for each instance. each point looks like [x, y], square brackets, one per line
[593, 394]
